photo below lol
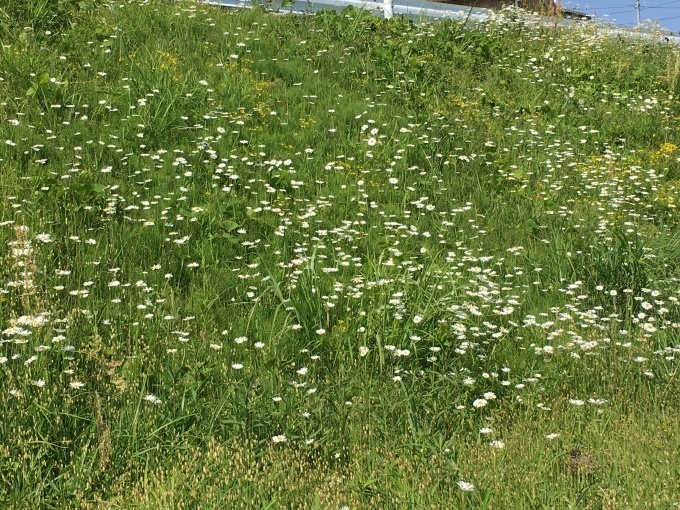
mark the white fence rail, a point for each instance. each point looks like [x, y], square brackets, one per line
[417, 10]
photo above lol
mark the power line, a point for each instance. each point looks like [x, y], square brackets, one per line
[624, 11]
[619, 12]
[614, 7]
[625, 23]
[608, 7]
[662, 5]
[637, 8]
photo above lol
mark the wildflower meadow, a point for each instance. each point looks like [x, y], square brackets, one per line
[334, 261]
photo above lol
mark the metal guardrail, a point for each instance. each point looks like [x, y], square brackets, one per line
[416, 10]
[423, 10]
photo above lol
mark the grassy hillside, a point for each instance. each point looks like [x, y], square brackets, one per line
[331, 261]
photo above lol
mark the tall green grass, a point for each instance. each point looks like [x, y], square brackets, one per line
[334, 261]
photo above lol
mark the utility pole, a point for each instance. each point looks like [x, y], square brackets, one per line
[637, 8]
